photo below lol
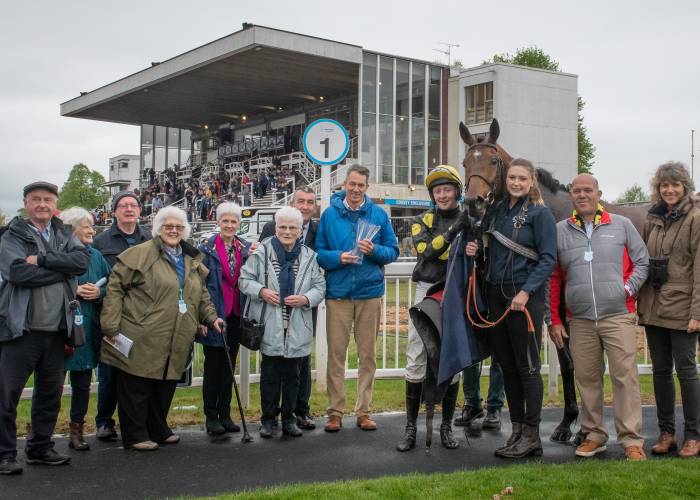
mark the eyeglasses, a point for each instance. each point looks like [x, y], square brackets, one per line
[288, 229]
[132, 206]
[173, 227]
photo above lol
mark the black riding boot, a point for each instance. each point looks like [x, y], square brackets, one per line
[413, 396]
[449, 402]
[528, 444]
[515, 435]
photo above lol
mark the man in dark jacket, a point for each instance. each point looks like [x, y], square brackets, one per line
[304, 200]
[39, 260]
[124, 233]
[354, 290]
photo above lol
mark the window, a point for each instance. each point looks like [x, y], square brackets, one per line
[402, 113]
[479, 103]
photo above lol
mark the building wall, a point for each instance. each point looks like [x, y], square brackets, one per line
[131, 173]
[536, 110]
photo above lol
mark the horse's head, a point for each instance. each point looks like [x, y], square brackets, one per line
[485, 165]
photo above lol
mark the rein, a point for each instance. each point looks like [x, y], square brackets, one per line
[485, 323]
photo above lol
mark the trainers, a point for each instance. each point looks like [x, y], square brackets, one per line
[47, 457]
[590, 448]
[266, 430]
[469, 414]
[635, 453]
[305, 422]
[106, 433]
[10, 466]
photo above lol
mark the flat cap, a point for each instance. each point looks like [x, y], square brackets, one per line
[40, 185]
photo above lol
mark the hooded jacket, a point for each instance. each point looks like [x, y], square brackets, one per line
[337, 233]
[677, 236]
[606, 285]
[19, 278]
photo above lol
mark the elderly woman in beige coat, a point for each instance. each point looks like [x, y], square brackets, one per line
[156, 297]
[669, 303]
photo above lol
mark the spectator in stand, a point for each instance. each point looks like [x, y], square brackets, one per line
[157, 203]
[354, 291]
[124, 233]
[40, 260]
[245, 193]
[156, 296]
[264, 184]
[80, 361]
[669, 304]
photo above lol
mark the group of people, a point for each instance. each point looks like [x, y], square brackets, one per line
[593, 274]
[138, 299]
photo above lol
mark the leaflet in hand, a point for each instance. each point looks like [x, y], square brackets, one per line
[365, 231]
[121, 343]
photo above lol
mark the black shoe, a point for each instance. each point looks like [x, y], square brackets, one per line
[215, 427]
[266, 430]
[47, 457]
[447, 438]
[469, 414]
[492, 420]
[106, 433]
[291, 429]
[408, 440]
[515, 435]
[9, 466]
[229, 425]
[413, 398]
[449, 403]
[306, 422]
[275, 424]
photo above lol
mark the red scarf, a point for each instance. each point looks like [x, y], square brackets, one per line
[229, 278]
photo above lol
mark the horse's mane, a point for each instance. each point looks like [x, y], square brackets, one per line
[546, 179]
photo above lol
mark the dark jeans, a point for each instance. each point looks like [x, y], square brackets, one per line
[471, 385]
[279, 375]
[106, 396]
[217, 382]
[80, 394]
[302, 405]
[40, 353]
[143, 407]
[668, 348]
[511, 342]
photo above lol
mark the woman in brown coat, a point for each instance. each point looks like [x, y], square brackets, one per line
[156, 297]
[669, 303]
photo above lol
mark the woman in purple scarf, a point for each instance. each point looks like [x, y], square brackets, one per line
[224, 255]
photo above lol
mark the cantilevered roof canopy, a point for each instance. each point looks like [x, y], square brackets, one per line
[250, 72]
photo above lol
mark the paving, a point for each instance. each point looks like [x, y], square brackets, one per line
[202, 465]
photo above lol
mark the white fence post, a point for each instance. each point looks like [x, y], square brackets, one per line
[244, 377]
[321, 340]
[553, 360]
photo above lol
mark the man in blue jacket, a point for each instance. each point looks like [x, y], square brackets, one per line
[354, 290]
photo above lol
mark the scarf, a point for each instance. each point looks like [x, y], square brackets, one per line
[229, 277]
[578, 220]
[286, 261]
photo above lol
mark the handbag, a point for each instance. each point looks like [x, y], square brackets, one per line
[77, 337]
[252, 330]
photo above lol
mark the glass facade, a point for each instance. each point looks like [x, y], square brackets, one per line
[164, 147]
[401, 118]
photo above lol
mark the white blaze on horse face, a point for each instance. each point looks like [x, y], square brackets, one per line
[477, 154]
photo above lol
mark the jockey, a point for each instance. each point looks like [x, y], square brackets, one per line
[432, 232]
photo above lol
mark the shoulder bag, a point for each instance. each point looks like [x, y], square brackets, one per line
[252, 330]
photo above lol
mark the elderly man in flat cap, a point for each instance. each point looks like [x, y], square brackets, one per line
[40, 261]
[124, 234]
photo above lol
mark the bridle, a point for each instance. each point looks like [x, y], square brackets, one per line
[495, 184]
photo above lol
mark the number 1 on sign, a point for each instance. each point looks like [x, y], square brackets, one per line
[326, 143]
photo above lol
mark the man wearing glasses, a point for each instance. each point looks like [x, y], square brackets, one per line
[124, 233]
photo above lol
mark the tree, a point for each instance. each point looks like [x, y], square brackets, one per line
[534, 57]
[3, 219]
[633, 194]
[84, 188]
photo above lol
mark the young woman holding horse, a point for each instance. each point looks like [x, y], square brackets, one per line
[519, 260]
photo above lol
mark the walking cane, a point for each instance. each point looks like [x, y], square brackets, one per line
[246, 436]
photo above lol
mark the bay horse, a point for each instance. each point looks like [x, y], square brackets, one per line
[485, 165]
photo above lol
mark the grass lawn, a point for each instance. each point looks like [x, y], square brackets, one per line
[388, 396]
[667, 478]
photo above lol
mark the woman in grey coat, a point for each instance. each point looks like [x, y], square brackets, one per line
[293, 286]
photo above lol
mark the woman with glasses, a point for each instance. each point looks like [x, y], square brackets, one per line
[283, 282]
[156, 298]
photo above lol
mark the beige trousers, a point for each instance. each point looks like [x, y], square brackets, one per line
[616, 337]
[345, 317]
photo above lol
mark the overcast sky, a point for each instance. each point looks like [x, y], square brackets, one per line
[638, 65]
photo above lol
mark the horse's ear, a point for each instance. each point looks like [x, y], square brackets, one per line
[466, 135]
[494, 132]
